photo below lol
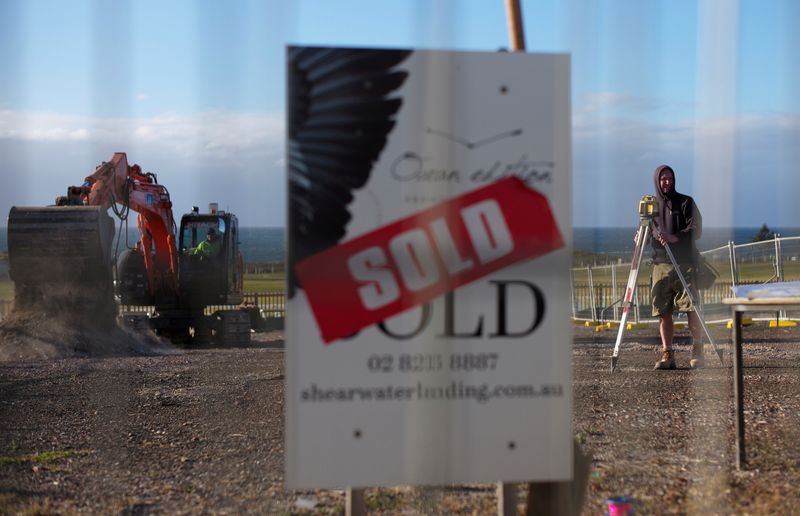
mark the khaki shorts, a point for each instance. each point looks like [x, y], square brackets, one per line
[668, 293]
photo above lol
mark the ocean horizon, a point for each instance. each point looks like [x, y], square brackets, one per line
[618, 241]
[267, 244]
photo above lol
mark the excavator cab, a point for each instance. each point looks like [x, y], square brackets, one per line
[210, 262]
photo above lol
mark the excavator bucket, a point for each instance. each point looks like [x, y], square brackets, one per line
[60, 258]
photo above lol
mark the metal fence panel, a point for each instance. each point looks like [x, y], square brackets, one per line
[597, 291]
[272, 303]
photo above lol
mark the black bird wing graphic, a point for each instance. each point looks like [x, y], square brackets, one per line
[340, 114]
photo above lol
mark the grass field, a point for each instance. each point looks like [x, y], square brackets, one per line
[266, 282]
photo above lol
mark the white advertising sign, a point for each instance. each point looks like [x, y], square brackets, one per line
[428, 334]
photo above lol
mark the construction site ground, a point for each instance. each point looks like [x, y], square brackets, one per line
[201, 431]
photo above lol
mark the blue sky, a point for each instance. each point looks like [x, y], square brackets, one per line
[195, 91]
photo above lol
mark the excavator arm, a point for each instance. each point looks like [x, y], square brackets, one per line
[67, 247]
[116, 182]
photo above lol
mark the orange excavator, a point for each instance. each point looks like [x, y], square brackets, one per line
[61, 257]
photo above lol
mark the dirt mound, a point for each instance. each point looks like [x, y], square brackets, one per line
[70, 319]
[26, 335]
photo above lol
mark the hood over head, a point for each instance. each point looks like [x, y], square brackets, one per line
[663, 221]
[657, 176]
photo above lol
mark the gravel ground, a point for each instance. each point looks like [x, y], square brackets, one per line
[202, 432]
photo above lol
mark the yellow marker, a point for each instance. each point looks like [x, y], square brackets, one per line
[746, 321]
[612, 324]
[635, 326]
[782, 324]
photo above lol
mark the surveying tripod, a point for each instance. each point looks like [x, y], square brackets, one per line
[647, 207]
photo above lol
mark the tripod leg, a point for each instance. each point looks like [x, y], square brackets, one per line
[694, 304]
[642, 236]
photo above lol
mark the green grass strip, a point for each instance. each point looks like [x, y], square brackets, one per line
[43, 457]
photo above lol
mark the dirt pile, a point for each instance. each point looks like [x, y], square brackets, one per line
[70, 319]
[3, 265]
[26, 335]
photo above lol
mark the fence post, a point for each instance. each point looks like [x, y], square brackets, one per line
[614, 296]
[778, 258]
[591, 293]
[779, 268]
[601, 302]
[572, 292]
[734, 267]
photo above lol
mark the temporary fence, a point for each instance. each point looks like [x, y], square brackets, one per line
[272, 304]
[597, 291]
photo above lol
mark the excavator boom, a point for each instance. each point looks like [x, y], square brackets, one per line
[67, 248]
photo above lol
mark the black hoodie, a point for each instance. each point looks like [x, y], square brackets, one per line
[678, 215]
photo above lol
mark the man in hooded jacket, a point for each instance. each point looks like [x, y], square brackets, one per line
[677, 222]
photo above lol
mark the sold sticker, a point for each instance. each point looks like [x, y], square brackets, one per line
[418, 258]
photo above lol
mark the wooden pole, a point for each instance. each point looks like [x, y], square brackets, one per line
[507, 492]
[738, 389]
[354, 502]
[543, 497]
[506, 499]
[515, 31]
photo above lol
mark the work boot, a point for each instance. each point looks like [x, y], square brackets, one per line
[698, 360]
[667, 360]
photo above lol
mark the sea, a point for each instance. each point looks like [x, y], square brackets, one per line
[258, 245]
[267, 244]
[618, 242]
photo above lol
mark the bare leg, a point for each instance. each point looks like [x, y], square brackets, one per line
[667, 329]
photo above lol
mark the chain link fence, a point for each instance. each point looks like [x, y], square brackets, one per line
[597, 291]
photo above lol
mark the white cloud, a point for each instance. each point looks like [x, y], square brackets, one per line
[238, 160]
[142, 96]
[752, 156]
[216, 135]
[230, 158]
[606, 101]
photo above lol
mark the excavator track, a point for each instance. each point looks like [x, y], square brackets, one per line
[60, 258]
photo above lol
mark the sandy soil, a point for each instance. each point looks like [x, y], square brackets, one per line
[201, 431]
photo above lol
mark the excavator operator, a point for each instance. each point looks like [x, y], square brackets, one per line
[210, 247]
